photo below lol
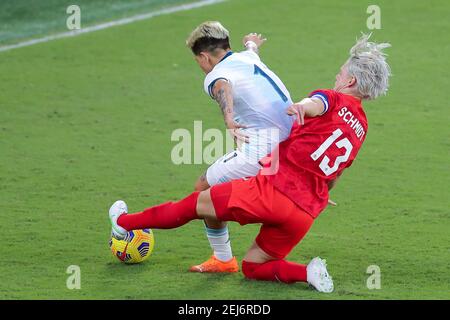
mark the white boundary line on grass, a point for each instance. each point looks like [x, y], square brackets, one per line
[110, 24]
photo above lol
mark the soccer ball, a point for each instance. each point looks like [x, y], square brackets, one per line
[135, 248]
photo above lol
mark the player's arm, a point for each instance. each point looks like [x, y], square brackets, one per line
[222, 93]
[253, 41]
[308, 107]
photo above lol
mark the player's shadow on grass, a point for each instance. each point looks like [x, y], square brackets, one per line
[248, 289]
[119, 267]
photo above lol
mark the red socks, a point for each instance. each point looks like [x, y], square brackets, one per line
[275, 270]
[164, 216]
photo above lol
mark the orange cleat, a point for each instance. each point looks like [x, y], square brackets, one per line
[212, 265]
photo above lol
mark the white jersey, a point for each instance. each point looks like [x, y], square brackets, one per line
[260, 100]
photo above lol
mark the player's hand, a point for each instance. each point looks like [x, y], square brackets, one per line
[332, 203]
[298, 110]
[256, 38]
[235, 130]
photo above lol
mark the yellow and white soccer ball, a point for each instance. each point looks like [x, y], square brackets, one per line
[135, 248]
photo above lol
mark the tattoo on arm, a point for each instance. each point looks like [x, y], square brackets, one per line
[225, 105]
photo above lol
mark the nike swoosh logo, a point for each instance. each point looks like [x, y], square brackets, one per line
[124, 253]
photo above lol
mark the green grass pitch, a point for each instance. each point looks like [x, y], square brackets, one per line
[87, 120]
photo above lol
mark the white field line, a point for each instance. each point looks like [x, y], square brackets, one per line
[110, 24]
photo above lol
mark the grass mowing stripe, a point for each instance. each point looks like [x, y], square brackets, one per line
[110, 24]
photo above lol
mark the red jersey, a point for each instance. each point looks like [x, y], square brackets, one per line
[318, 151]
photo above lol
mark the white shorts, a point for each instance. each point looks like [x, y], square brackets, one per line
[233, 165]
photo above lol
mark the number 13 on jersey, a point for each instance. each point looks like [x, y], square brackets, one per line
[325, 163]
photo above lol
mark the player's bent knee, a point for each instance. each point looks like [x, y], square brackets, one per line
[205, 207]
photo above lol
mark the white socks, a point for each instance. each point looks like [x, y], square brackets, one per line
[219, 240]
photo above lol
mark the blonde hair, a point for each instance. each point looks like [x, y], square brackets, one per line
[208, 36]
[367, 63]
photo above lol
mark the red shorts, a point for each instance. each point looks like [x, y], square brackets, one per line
[255, 200]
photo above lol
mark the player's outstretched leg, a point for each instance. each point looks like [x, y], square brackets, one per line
[164, 216]
[168, 215]
[171, 215]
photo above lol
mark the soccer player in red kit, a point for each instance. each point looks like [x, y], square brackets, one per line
[292, 189]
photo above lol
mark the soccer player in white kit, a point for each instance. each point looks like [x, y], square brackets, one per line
[253, 101]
